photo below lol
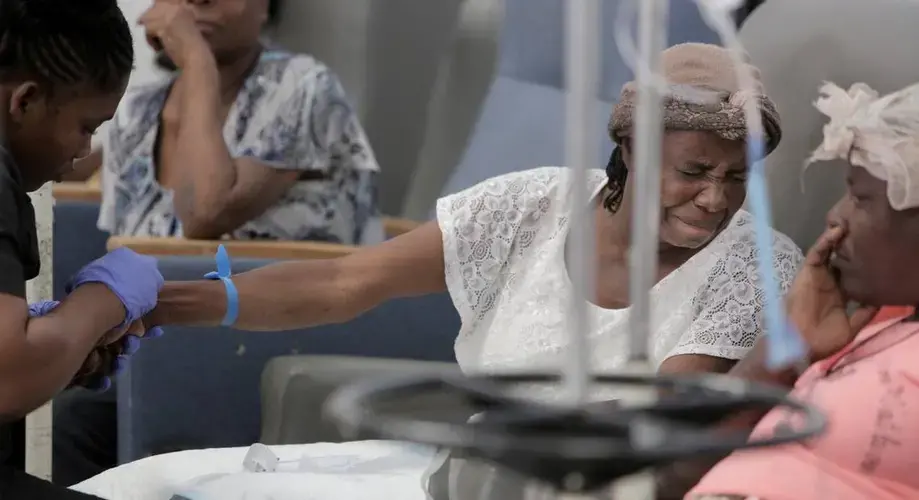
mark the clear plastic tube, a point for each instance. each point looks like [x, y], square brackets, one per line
[785, 346]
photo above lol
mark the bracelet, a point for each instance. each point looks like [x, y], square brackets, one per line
[223, 274]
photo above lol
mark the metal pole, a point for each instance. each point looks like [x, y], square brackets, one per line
[643, 251]
[581, 151]
[647, 137]
[38, 423]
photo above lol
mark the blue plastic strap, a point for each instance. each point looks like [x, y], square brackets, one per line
[784, 345]
[223, 274]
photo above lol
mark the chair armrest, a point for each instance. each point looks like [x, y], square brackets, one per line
[394, 226]
[76, 191]
[282, 250]
[295, 388]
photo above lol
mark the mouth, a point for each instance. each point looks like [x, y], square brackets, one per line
[205, 28]
[701, 227]
[838, 259]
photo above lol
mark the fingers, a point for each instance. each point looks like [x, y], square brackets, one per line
[115, 335]
[136, 329]
[130, 345]
[819, 254]
[861, 317]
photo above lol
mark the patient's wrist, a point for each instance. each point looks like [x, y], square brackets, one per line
[193, 303]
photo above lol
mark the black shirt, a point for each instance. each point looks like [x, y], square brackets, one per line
[19, 258]
[19, 262]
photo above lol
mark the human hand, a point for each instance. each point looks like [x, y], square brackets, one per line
[111, 356]
[170, 27]
[816, 304]
[133, 278]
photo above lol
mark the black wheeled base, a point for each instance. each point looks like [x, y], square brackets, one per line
[573, 450]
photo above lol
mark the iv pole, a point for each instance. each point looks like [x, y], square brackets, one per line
[573, 451]
[38, 423]
[582, 68]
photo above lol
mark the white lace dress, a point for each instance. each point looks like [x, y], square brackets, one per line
[504, 254]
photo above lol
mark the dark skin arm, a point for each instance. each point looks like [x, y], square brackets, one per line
[216, 193]
[299, 294]
[39, 357]
[221, 192]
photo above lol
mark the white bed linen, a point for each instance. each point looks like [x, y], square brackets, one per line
[363, 470]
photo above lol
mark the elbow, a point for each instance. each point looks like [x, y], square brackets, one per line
[203, 225]
[12, 401]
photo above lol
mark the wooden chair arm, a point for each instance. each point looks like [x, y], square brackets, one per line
[395, 226]
[76, 191]
[89, 192]
[283, 250]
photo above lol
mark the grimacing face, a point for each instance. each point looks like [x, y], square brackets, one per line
[703, 184]
[49, 130]
[876, 259]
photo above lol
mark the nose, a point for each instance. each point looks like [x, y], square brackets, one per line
[85, 149]
[837, 215]
[713, 198]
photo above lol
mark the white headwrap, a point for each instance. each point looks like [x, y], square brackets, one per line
[880, 134]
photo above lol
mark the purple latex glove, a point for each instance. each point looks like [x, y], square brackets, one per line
[42, 308]
[133, 278]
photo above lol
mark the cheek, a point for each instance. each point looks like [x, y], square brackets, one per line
[677, 191]
[70, 140]
[736, 193]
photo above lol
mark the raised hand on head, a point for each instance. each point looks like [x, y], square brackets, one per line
[816, 304]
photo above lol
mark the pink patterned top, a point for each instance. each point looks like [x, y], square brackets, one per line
[870, 449]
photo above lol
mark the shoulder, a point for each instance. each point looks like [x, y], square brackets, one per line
[143, 101]
[519, 205]
[289, 71]
[549, 183]
[740, 241]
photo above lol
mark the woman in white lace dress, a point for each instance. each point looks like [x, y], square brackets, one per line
[500, 249]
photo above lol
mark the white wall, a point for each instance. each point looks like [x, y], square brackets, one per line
[144, 70]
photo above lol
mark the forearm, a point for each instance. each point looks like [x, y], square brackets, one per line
[280, 296]
[41, 358]
[209, 173]
[675, 480]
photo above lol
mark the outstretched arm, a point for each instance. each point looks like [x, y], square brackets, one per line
[291, 295]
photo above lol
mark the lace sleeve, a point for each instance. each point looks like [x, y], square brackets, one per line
[481, 227]
[729, 307]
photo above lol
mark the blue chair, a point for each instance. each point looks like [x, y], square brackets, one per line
[199, 387]
[77, 241]
[522, 122]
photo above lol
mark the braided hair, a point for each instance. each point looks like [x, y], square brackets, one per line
[274, 12]
[616, 174]
[65, 42]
